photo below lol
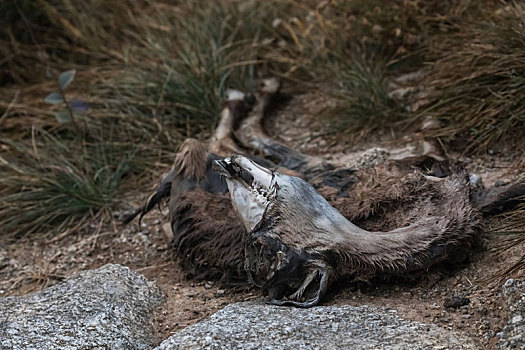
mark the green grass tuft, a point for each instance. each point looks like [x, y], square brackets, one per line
[152, 72]
[45, 189]
[364, 93]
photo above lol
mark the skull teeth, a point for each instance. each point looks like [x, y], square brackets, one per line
[260, 192]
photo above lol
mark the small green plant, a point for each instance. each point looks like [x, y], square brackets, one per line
[66, 114]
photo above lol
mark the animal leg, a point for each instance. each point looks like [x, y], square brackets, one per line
[251, 134]
[299, 292]
[323, 286]
[162, 191]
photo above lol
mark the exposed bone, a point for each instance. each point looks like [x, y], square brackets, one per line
[235, 108]
[323, 286]
[252, 135]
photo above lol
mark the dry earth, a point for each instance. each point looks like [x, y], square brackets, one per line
[38, 261]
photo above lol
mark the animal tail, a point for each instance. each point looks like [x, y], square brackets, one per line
[162, 191]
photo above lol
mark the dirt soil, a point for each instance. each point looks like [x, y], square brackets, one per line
[35, 262]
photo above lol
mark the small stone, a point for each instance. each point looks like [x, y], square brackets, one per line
[168, 233]
[475, 181]
[508, 283]
[430, 123]
[516, 319]
[455, 302]
[500, 183]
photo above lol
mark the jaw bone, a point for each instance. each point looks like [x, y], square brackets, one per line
[251, 187]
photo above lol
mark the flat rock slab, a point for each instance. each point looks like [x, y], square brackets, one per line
[108, 308]
[254, 325]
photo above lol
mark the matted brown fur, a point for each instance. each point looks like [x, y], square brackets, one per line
[208, 236]
[381, 198]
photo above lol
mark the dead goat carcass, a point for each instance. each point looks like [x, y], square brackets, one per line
[244, 219]
[247, 222]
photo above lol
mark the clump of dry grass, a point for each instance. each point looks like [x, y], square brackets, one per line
[511, 235]
[378, 45]
[363, 92]
[478, 78]
[49, 184]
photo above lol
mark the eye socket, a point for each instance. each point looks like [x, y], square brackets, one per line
[247, 177]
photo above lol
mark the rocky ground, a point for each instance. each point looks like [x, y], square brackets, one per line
[467, 300]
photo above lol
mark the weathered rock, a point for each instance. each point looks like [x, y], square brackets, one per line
[108, 308]
[455, 302]
[513, 335]
[254, 325]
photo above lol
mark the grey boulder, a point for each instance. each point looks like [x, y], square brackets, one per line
[107, 308]
[254, 325]
[513, 335]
